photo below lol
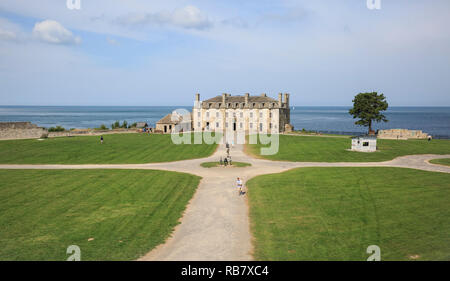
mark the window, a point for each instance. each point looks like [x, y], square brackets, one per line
[241, 115]
[237, 104]
[260, 126]
[198, 124]
[217, 124]
[251, 125]
[226, 125]
[251, 114]
[240, 125]
[226, 114]
[210, 105]
[270, 125]
[366, 143]
[217, 114]
[207, 114]
[260, 115]
[270, 114]
[198, 114]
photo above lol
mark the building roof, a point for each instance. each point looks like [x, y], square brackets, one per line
[233, 99]
[141, 124]
[166, 120]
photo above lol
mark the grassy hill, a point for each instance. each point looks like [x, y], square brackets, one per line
[124, 213]
[116, 149]
[336, 213]
[335, 149]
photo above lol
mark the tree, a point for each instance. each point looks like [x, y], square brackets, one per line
[368, 107]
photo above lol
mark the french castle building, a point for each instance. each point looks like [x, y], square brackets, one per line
[249, 114]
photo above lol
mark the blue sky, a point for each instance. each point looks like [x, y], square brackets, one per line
[117, 52]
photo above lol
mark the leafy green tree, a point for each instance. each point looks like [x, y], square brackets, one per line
[115, 125]
[367, 107]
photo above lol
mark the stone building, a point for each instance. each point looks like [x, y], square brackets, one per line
[364, 143]
[248, 114]
[175, 122]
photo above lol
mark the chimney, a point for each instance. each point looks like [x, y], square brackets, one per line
[224, 96]
[246, 98]
[280, 99]
[286, 99]
[263, 95]
[197, 97]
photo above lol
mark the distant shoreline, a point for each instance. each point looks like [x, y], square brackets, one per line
[322, 119]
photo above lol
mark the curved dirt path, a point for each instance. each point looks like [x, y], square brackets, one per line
[215, 225]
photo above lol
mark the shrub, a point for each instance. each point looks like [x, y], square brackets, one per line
[103, 127]
[56, 129]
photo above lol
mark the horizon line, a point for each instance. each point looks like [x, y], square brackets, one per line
[36, 105]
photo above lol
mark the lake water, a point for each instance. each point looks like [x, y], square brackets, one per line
[329, 119]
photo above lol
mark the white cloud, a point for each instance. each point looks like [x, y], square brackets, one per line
[187, 17]
[51, 31]
[9, 31]
[7, 35]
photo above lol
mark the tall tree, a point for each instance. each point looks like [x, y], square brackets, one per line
[367, 107]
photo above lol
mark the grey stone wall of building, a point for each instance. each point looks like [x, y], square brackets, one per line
[20, 130]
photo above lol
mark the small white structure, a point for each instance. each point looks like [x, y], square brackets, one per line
[364, 143]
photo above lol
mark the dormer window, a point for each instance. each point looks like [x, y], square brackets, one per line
[210, 105]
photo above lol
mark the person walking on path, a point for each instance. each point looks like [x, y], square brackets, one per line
[101, 139]
[239, 185]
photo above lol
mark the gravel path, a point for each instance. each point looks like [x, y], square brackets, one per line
[215, 225]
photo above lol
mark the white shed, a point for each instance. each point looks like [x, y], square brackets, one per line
[364, 143]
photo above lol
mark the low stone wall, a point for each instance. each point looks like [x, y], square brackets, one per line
[86, 132]
[11, 134]
[27, 130]
[401, 134]
[20, 130]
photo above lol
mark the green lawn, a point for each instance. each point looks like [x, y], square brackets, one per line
[217, 164]
[330, 149]
[116, 149]
[336, 213]
[127, 213]
[443, 161]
